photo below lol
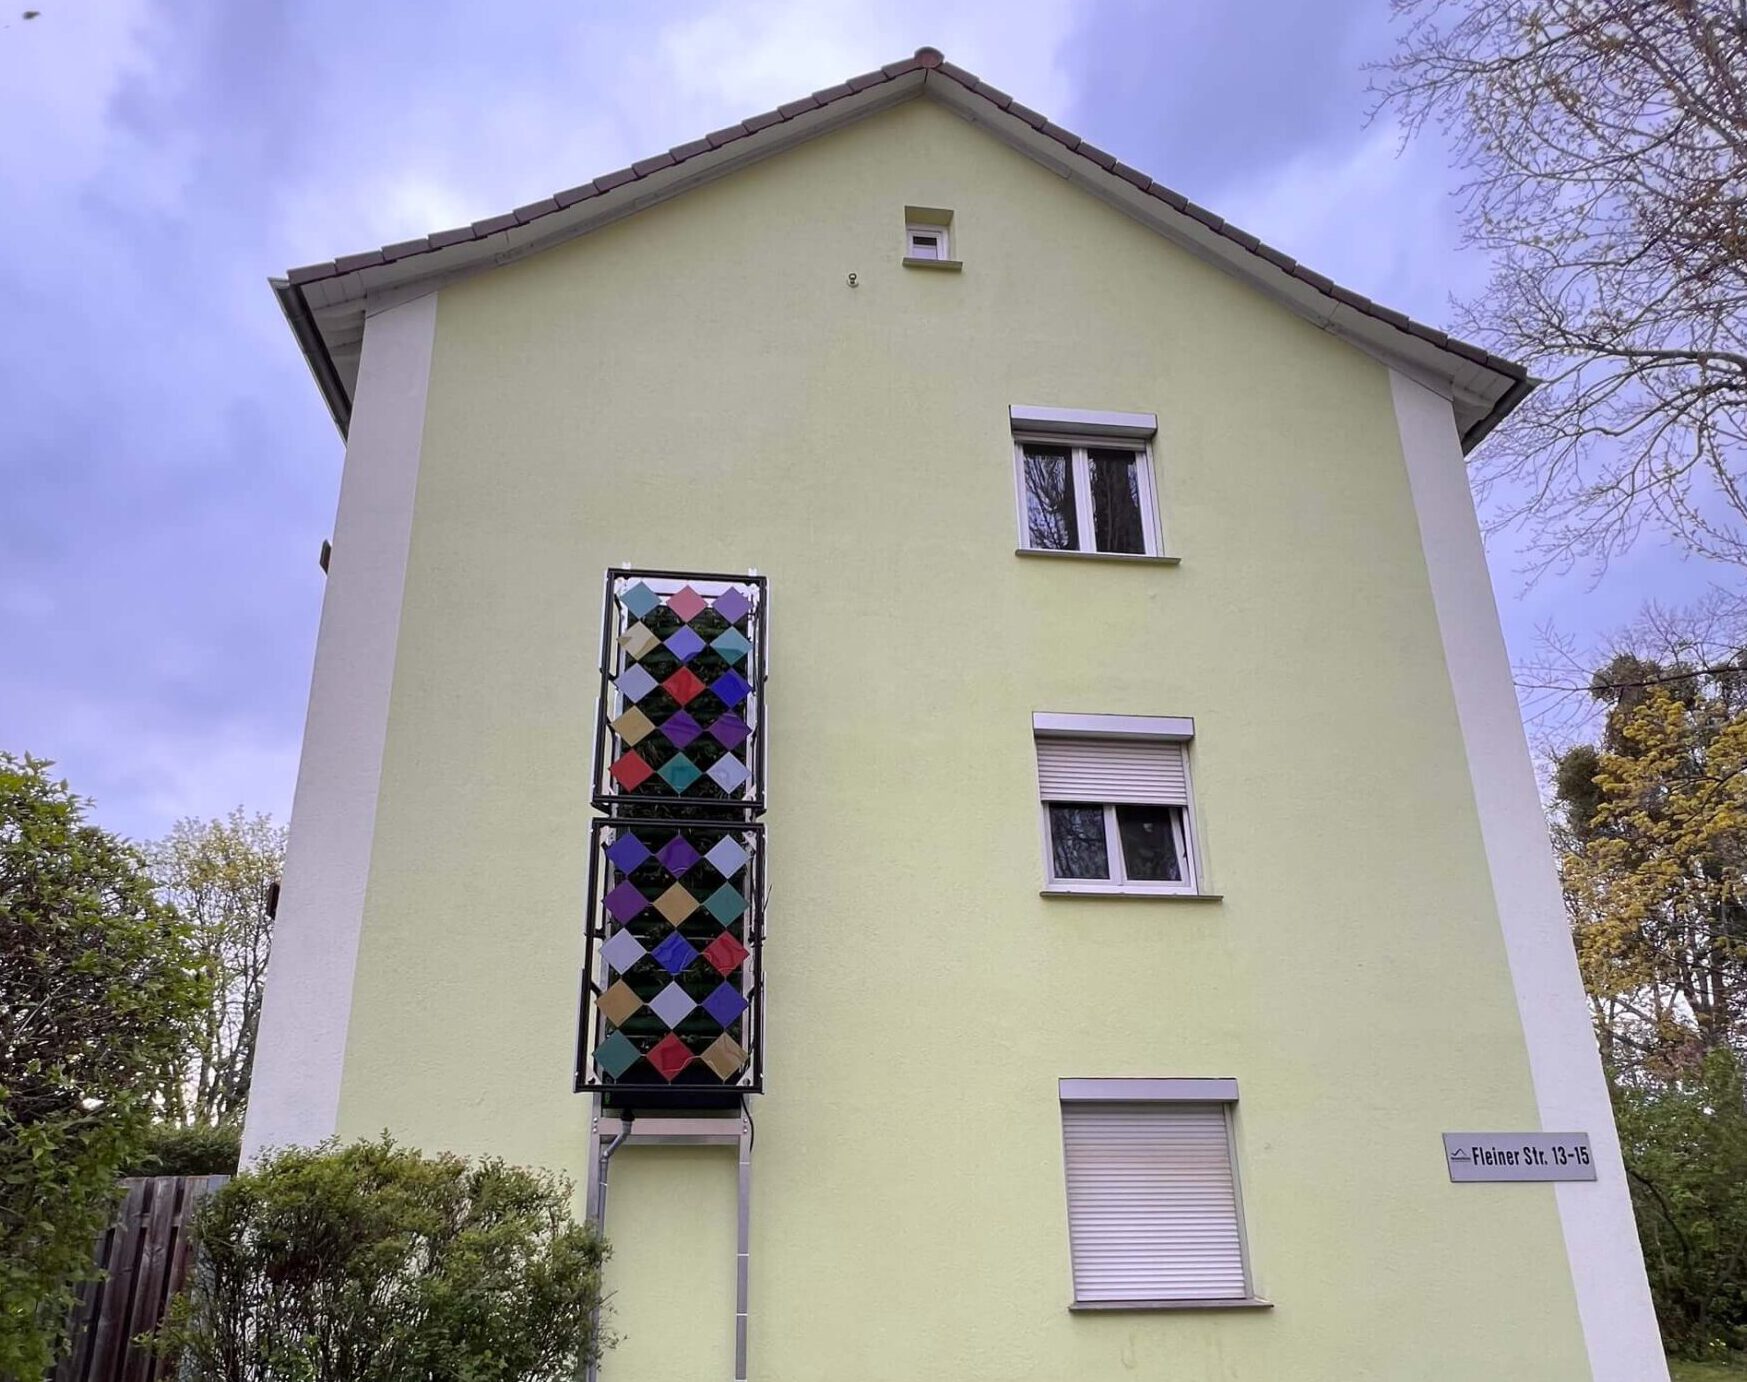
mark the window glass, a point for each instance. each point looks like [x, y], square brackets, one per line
[1115, 483]
[924, 246]
[1076, 839]
[1149, 843]
[1051, 520]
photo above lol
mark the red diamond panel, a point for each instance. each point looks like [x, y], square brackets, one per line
[725, 954]
[683, 685]
[669, 1056]
[686, 603]
[630, 772]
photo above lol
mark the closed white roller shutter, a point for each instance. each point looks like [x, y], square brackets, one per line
[1152, 1210]
[1102, 770]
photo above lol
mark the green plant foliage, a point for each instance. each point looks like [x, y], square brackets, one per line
[172, 1150]
[99, 993]
[376, 1263]
[1654, 862]
[1685, 1149]
[1686, 1370]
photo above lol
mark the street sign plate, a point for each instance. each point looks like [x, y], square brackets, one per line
[1518, 1156]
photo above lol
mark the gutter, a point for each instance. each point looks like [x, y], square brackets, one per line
[1502, 409]
[315, 351]
[592, 1369]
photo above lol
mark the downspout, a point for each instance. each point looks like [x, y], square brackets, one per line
[592, 1371]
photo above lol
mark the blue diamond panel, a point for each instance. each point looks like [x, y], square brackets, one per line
[627, 851]
[685, 645]
[725, 1003]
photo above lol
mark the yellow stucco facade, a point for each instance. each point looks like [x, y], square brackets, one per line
[698, 386]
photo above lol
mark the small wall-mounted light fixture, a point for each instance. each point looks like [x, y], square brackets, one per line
[928, 238]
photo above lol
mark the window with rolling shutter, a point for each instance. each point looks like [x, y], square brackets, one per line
[1153, 1213]
[1116, 803]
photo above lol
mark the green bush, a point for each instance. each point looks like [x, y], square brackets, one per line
[1685, 1148]
[172, 1150]
[375, 1263]
[99, 994]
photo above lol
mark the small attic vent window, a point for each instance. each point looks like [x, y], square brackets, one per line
[928, 238]
[927, 242]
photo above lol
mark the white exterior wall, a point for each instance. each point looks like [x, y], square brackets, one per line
[1601, 1238]
[302, 1042]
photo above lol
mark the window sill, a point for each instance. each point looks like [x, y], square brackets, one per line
[950, 266]
[1245, 1303]
[1132, 894]
[1097, 556]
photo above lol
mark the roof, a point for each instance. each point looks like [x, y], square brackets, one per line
[325, 303]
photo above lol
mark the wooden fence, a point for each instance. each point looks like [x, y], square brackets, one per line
[145, 1255]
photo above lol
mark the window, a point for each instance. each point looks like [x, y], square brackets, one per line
[1115, 793]
[928, 236]
[926, 242]
[1154, 1214]
[1090, 495]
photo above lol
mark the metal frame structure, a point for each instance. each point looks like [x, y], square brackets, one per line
[600, 928]
[609, 1132]
[653, 803]
[693, 1112]
[601, 789]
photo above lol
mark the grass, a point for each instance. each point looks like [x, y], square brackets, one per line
[1682, 1371]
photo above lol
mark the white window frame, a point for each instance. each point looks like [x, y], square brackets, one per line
[1154, 728]
[1120, 881]
[1078, 448]
[1223, 1092]
[940, 234]
[1121, 884]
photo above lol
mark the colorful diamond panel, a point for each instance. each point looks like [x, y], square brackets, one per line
[685, 692]
[675, 993]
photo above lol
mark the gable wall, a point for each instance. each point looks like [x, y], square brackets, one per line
[698, 386]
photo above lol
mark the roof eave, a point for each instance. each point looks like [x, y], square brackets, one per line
[1483, 386]
[360, 282]
[1506, 405]
[315, 351]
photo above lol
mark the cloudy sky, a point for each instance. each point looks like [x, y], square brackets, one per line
[167, 471]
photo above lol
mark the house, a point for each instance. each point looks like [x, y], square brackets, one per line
[985, 677]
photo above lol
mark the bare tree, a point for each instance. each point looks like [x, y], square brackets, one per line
[1606, 147]
[220, 876]
[1564, 690]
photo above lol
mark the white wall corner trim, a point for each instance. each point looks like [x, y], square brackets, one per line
[301, 1048]
[1601, 1240]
